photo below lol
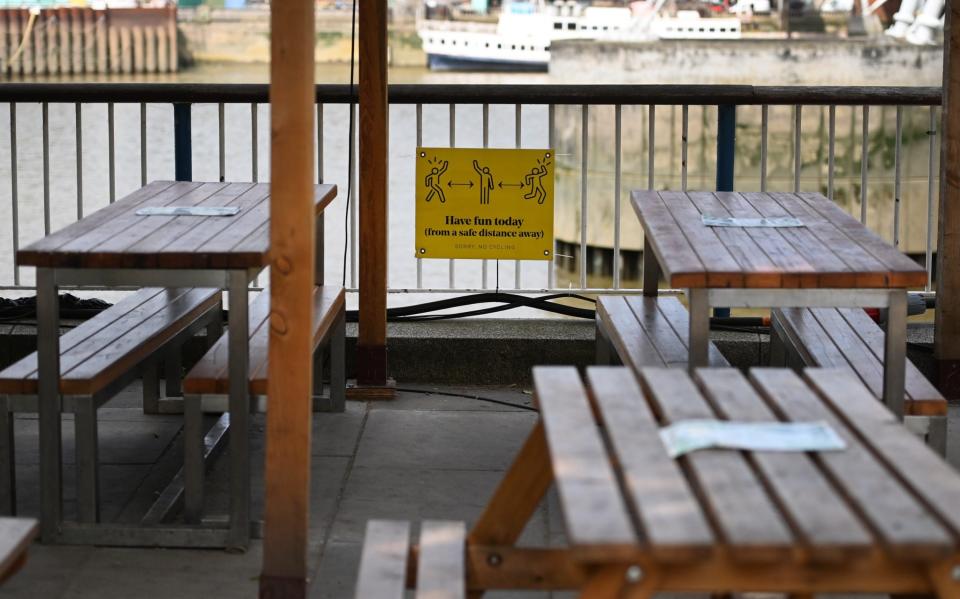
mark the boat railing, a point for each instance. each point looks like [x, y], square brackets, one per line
[609, 137]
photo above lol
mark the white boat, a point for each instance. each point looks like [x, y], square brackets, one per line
[521, 38]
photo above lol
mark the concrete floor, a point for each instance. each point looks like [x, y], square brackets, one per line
[424, 455]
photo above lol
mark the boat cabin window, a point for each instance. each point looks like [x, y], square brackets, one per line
[557, 25]
[571, 26]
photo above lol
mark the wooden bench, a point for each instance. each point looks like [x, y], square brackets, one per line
[440, 568]
[849, 338]
[99, 358]
[645, 331]
[208, 382]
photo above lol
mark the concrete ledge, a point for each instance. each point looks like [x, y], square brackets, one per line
[492, 351]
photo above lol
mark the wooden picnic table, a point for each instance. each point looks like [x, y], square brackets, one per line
[831, 260]
[117, 247]
[876, 517]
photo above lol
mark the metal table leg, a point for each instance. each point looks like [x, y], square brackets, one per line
[699, 339]
[48, 370]
[651, 268]
[239, 536]
[895, 352]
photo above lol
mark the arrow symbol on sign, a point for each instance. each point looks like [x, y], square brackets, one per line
[502, 185]
[452, 184]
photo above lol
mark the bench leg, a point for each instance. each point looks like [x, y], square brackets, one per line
[699, 339]
[193, 467]
[937, 435]
[151, 387]
[173, 371]
[651, 269]
[603, 353]
[239, 360]
[214, 327]
[778, 351]
[8, 473]
[895, 352]
[318, 358]
[85, 422]
[338, 364]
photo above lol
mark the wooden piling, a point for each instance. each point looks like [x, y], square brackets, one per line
[100, 31]
[947, 329]
[64, 22]
[13, 26]
[113, 42]
[26, 57]
[4, 54]
[163, 55]
[289, 404]
[150, 49]
[51, 29]
[172, 57]
[126, 50]
[39, 47]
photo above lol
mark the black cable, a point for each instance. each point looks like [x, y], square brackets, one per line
[346, 212]
[476, 397]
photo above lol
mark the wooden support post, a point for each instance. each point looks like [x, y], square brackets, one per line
[289, 386]
[947, 336]
[372, 335]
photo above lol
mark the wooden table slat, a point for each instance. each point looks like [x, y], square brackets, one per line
[925, 473]
[750, 524]
[679, 319]
[141, 227]
[110, 362]
[383, 560]
[764, 270]
[906, 529]
[827, 353]
[870, 272]
[169, 256]
[904, 272]
[127, 309]
[440, 567]
[121, 225]
[16, 534]
[91, 221]
[179, 227]
[826, 524]
[622, 318]
[856, 353]
[680, 264]
[723, 270]
[115, 237]
[670, 343]
[830, 270]
[917, 385]
[796, 269]
[597, 522]
[831, 250]
[673, 526]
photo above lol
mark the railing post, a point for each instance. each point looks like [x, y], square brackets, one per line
[726, 152]
[726, 145]
[182, 144]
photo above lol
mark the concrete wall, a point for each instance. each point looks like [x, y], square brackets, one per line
[827, 61]
[244, 36]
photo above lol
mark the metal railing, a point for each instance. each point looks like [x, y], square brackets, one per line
[535, 111]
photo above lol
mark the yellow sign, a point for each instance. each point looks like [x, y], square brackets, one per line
[484, 203]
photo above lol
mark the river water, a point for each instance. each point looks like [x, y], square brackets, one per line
[468, 130]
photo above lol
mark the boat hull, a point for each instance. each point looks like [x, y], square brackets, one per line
[447, 62]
